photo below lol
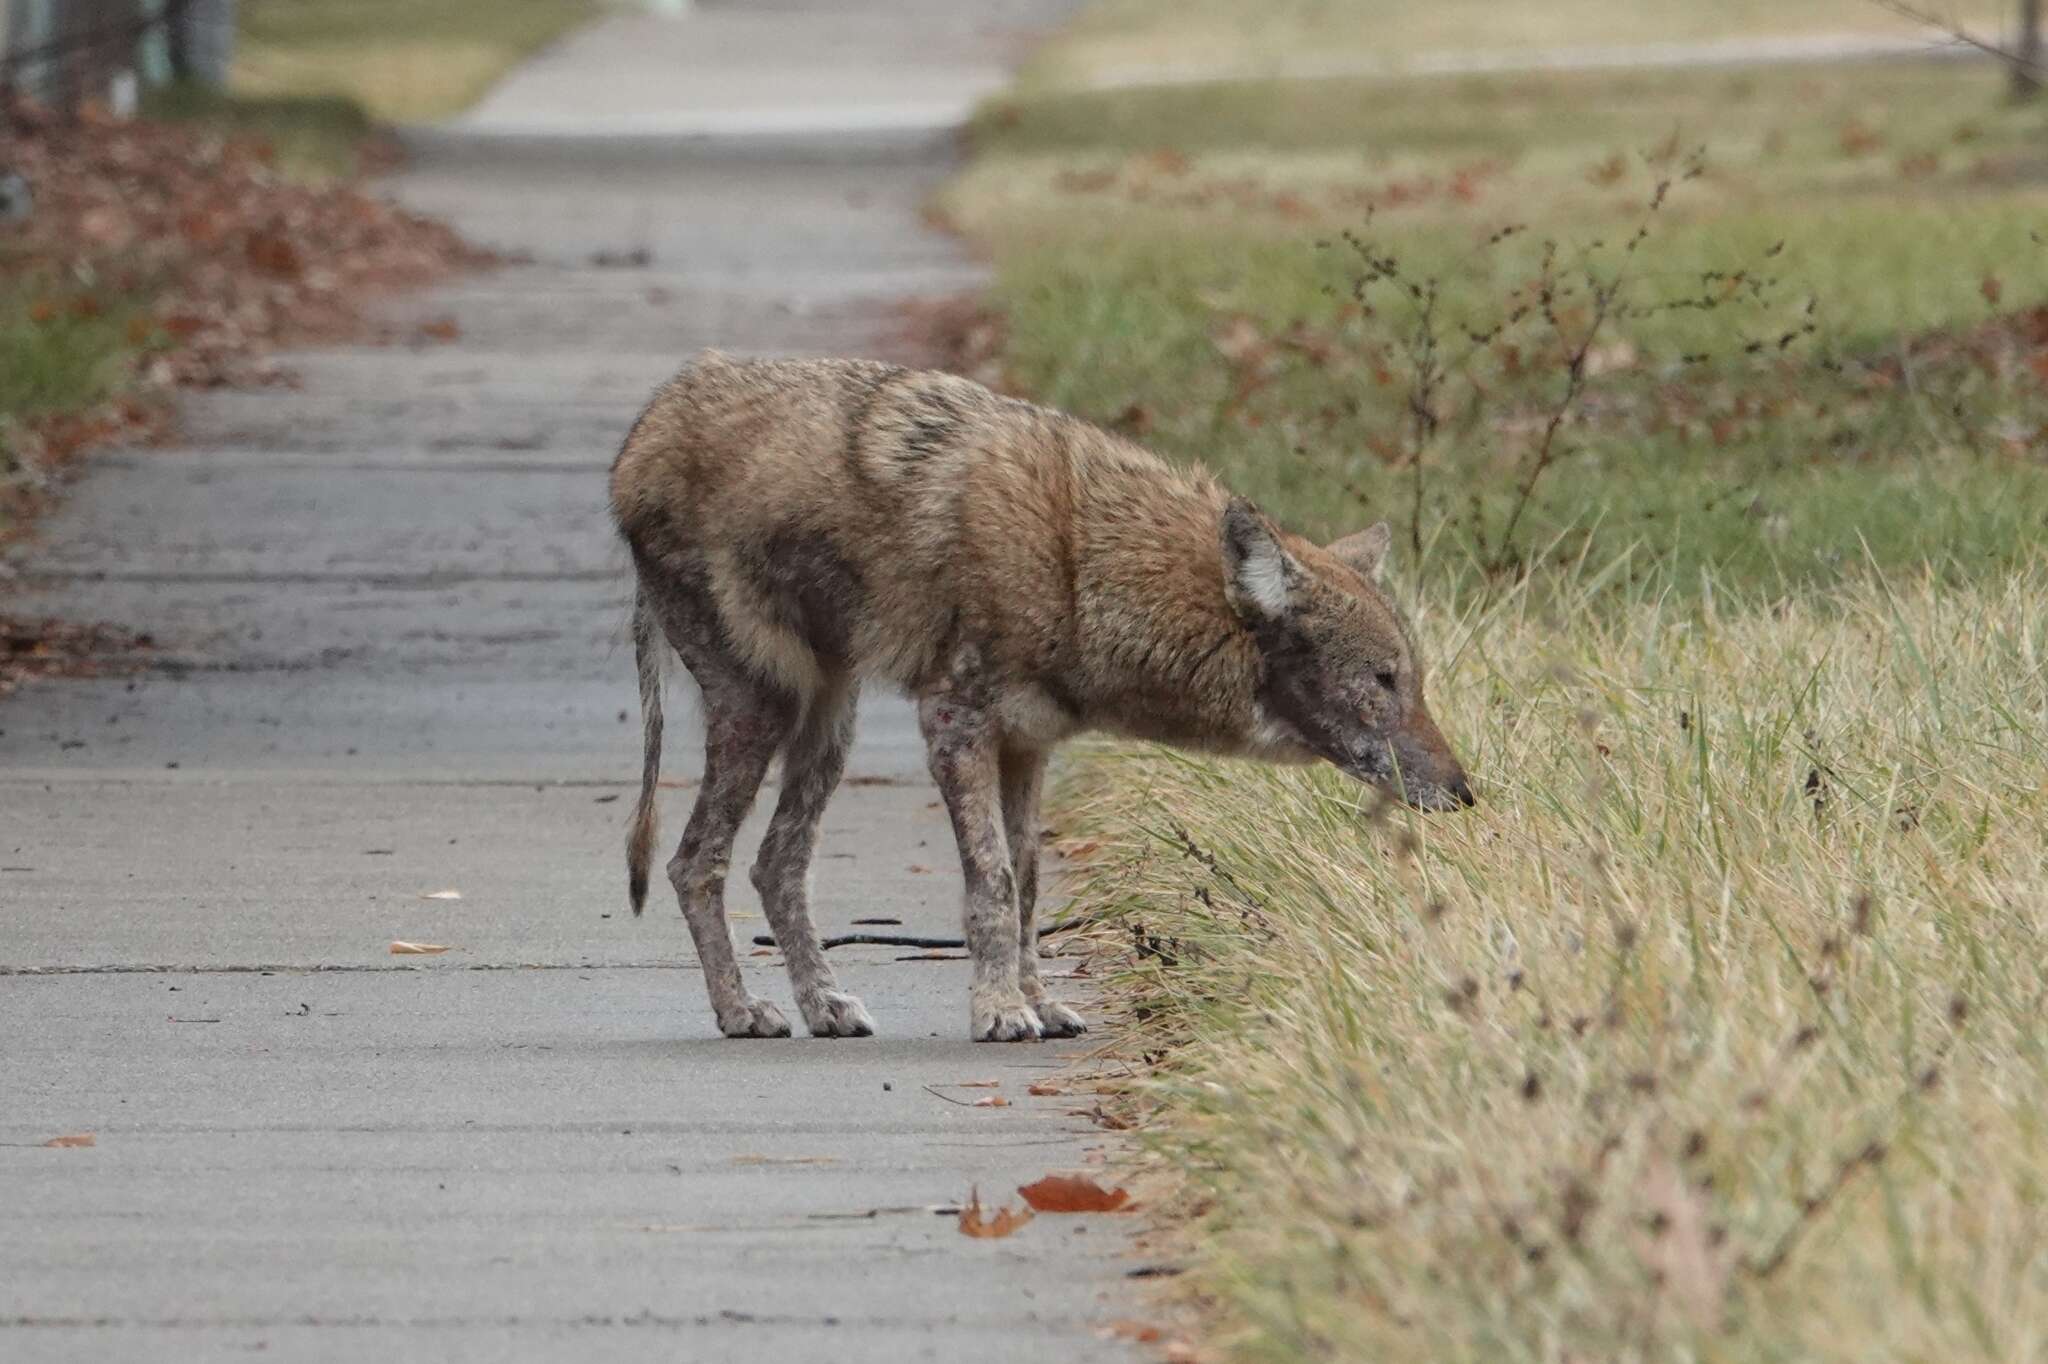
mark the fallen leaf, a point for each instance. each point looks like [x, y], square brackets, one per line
[1072, 1193]
[1991, 289]
[991, 1101]
[1043, 1090]
[421, 949]
[920, 870]
[1004, 1222]
[1136, 1330]
[979, 1084]
[442, 895]
[273, 253]
[441, 329]
[74, 1139]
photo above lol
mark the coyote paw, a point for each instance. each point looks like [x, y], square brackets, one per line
[755, 1018]
[1009, 1020]
[829, 1013]
[1057, 1020]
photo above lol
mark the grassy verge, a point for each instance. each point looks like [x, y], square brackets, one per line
[403, 61]
[313, 137]
[1709, 1033]
[1713, 1033]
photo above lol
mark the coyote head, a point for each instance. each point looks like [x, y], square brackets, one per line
[1340, 678]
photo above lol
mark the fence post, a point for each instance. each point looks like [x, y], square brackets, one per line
[202, 40]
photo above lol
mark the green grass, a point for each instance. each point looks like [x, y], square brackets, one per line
[1133, 233]
[60, 352]
[66, 362]
[314, 137]
[402, 60]
[1710, 1034]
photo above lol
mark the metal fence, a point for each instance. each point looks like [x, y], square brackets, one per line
[65, 53]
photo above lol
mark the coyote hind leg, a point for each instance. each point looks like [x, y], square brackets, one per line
[744, 724]
[812, 762]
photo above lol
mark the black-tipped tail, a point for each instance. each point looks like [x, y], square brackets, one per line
[647, 655]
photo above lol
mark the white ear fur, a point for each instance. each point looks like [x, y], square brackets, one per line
[1365, 551]
[1260, 574]
[1262, 577]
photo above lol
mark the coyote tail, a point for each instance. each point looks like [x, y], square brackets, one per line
[648, 647]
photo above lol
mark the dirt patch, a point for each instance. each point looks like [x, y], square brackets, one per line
[37, 648]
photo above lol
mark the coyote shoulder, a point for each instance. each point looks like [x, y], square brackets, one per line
[799, 528]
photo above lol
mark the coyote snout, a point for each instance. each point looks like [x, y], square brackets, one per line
[799, 528]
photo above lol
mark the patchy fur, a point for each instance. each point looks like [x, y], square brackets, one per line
[800, 527]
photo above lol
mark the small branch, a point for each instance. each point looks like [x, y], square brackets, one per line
[2025, 61]
[902, 939]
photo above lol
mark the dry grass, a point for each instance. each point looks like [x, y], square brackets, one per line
[405, 61]
[1713, 1033]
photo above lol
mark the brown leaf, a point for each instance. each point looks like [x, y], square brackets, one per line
[1042, 1089]
[1991, 288]
[1073, 1193]
[991, 1101]
[441, 329]
[979, 1084]
[74, 1139]
[1860, 140]
[420, 949]
[1003, 1222]
[1139, 1331]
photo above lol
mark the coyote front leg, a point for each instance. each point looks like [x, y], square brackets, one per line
[1023, 777]
[962, 743]
[812, 762]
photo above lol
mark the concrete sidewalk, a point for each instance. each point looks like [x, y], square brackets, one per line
[389, 614]
[769, 68]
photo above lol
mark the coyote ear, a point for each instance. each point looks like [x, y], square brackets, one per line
[1259, 576]
[1365, 553]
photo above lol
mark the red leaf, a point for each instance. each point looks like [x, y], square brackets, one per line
[1073, 1193]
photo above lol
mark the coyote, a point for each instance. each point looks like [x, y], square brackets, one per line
[801, 527]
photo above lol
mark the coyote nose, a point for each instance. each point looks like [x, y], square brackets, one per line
[1461, 791]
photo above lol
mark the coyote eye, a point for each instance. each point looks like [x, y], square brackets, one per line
[1385, 679]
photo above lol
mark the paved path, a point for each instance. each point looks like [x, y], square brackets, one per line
[389, 612]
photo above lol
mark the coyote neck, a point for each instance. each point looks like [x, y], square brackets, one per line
[1163, 655]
